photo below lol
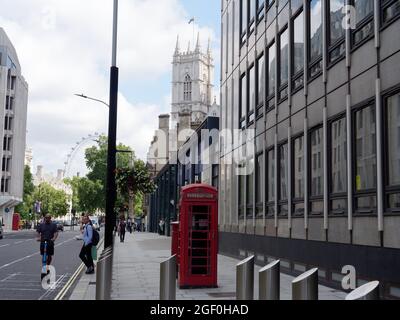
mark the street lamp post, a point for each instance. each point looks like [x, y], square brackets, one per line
[111, 189]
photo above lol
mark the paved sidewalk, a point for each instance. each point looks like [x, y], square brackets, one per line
[136, 274]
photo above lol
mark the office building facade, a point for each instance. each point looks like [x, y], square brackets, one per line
[319, 85]
[13, 116]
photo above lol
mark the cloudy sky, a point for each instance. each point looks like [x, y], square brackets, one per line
[64, 47]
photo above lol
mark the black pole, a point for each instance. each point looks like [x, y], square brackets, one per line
[111, 188]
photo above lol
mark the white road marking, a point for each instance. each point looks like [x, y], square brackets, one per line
[19, 242]
[9, 277]
[30, 256]
[4, 245]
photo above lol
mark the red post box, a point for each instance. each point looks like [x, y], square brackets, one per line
[198, 230]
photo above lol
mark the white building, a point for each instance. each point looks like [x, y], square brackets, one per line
[57, 183]
[13, 116]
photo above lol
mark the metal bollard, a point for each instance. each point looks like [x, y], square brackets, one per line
[269, 278]
[168, 279]
[369, 291]
[245, 279]
[305, 286]
[104, 275]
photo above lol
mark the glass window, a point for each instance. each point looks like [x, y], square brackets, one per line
[243, 100]
[393, 141]
[284, 50]
[260, 80]
[316, 157]
[365, 149]
[271, 70]
[299, 168]
[252, 90]
[260, 9]
[283, 172]
[336, 16]
[315, 29]
[363, 9]
[259, 178]
[187, 88]
[252, 12]
[339, 156]
[298, 46]
[296, 4]
[271, 176]
[244, 17]
[241, 194]
[391, 11]
[250, 186]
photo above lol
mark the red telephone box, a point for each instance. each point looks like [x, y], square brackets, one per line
[15, 222]
[175, 241]
[198, 243]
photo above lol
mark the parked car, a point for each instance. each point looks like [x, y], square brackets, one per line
[1, 231]
[60, 225]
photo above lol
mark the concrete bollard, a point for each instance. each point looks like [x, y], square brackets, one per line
[369, 291]
[168, 279]
[305, 286]
[269, 281]
[245, 279]
[104, 275]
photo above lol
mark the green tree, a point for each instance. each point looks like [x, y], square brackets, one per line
[54, 202]
[25, 208]
[96, 162]
[135, 182]
[90, 195]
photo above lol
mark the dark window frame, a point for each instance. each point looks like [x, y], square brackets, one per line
[257, 178]
[331, 47]
[372, 192]
[282, 86]
[241, 206]
[388, 189]
[383, 6]
[269, 204]
[314, 199]
[360, 25]
[250, 113]
[250, 201]
[318, 60]
[260, 105]
[243, 34]
[260, 11]
[281, 202]
[270, 97]
[251, 27]
[296, 200]
[242, 119]
[299, 74]
[335, 196]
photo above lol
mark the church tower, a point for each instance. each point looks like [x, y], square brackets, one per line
[192, 83]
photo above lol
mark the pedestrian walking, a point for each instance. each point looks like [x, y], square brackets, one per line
[130, 228]
[86, 251]
[122, 229]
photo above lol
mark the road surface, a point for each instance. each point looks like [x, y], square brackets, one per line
[20, 265]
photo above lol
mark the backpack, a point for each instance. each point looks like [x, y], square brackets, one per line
[95, 237]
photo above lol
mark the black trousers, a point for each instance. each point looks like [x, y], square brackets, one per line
[86, 255]
[122, 235]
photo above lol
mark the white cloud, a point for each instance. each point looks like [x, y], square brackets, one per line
[64, 47]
